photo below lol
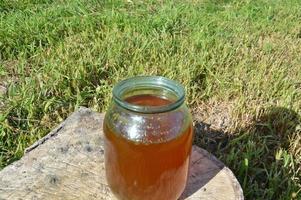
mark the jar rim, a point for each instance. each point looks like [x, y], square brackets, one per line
[151, 82]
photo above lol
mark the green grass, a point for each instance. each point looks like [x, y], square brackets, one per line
[58, 55]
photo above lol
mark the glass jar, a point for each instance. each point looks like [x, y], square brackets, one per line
[148, 137]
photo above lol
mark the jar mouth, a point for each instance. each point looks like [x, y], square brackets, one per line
[149, 85]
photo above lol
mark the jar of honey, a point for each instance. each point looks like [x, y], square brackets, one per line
[148, 137]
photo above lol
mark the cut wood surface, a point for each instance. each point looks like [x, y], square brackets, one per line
[68, 163]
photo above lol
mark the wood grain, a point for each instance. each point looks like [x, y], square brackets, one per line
[68, 164]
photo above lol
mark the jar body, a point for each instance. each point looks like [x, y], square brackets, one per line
[148, 137]
[147, 155]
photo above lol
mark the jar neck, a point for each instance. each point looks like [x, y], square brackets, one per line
[149, 85]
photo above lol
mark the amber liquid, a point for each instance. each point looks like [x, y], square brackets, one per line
[147, 171]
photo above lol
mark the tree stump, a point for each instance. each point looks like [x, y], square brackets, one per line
[68, 163]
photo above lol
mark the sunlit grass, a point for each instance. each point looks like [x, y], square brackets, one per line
[58, 55]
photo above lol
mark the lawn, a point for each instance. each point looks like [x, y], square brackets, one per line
[239, 60]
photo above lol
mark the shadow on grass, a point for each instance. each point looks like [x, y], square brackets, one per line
[263, 156]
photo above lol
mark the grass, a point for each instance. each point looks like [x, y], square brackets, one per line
[244, 56]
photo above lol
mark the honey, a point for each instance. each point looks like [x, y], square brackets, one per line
[148, 169]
